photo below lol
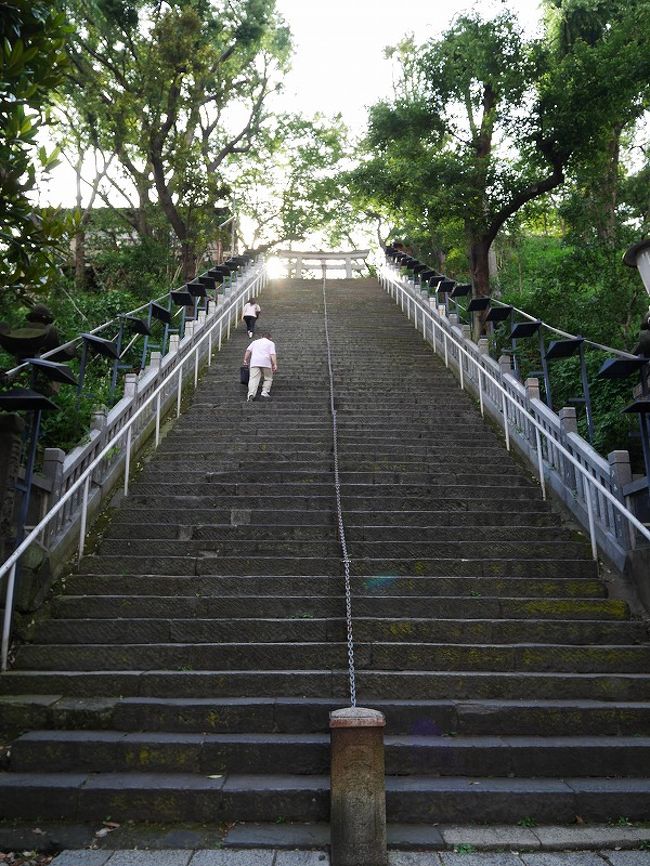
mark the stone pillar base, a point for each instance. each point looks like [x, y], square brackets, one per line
[358, 800]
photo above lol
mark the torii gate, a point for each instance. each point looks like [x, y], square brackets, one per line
[353, 261]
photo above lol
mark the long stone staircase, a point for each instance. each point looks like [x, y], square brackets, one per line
[186, 669]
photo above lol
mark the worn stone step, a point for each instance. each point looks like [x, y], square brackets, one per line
[323, 548]
[265, 606]
[170, 797]
[305, 565]
[483, 800]
[305, 754]
[434, 718]
[371, 685]
[421, 491]
[134, 516]
[156, 630]
[167, 459]
[492, 506]
[405, 655]
[410, 799]
[312, 474]
[309, 532]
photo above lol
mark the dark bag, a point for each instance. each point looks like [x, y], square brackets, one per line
[244, 374]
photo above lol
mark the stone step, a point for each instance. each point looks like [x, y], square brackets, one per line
[131, 515]
[158, 630]
[372, 686]
[306, 565]
[307, 454]
[308, 606]
[386, 491]
[391, 548]
[308, 754]
[493, 506]
[310, 715]
[409, 799]
[310, 532]
[404, 655]
[313, 474]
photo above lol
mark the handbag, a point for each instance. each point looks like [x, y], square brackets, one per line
[244, 374]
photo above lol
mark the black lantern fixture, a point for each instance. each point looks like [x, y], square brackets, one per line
[560, 349]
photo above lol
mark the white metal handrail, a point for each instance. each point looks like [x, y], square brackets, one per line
[592, 484]
[85, 478]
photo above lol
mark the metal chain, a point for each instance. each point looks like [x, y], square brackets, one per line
[339, 511]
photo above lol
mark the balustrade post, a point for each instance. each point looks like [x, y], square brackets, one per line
[532, 388]
[484, 346]
[130, 385]
[621, 469]
[505, 364]
[98, 425]
[568, 419]
[53, 471]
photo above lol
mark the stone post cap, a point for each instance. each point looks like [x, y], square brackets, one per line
[357, 717]
[618, 457]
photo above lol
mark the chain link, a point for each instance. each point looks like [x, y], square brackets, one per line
[339, 511]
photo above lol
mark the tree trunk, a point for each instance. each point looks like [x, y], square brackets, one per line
[608, 199]
[480, 266]
[480, 269]
[80, 259]
[189, 260]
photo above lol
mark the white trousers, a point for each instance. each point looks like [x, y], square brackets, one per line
[256, 374]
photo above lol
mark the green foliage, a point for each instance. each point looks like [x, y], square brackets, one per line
[492, 122]
[32, 38]
[177, 92]
[289, 188]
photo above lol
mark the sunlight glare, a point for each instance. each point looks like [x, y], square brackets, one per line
[275, 268]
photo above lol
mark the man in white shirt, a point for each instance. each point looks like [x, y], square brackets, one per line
[262, 361]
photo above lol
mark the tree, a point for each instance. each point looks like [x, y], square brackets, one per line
[32, 59]
[496, 121]
[289, 188]
[177, 90]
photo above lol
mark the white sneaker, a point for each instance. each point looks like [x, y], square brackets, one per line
[264, 394]
[249, 398]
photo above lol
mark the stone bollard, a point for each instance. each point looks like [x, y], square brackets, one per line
[358, 799]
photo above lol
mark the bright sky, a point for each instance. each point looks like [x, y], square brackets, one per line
[339, 62]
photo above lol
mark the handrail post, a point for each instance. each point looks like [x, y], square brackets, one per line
[540, 462]
[6, 624]
[127, 459]
[84, 516]
[158, 419]
[506, 429]
[590, 518]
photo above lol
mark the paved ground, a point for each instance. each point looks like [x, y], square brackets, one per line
[270, 857]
